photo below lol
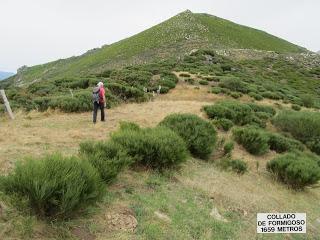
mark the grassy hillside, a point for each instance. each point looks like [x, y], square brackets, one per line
[200, 201]
[176, 36]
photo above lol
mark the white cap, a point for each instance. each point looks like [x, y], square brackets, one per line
[100, 84]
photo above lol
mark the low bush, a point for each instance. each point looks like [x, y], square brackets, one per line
[240, 113]
[281, 143]
[262, 108]
[199, 134]
[203, 82]
[307, 100]
[223, 123]
[228, 147]
[271, 95]
[158, 148]
[235, 165]
[216, 90]
[164, 90]
[303, 126]
[167, 83]
[55, 186]
[297, 170]
[108, 158]
[254, 140]
[234, 85]
[235, 95]
[256, 96]
[239, 166]
[295, 107]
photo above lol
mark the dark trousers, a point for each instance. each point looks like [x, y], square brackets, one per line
[96, 106]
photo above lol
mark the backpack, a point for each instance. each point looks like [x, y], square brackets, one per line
[96, 94]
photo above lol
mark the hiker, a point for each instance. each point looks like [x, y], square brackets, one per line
[99, 101]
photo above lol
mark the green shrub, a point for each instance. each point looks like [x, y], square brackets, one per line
[297, 170]
[295, 107]
[314, 146]
[199, 134]
[254, 140]
[158, 148]
[303, 126]
[125, 92]
[235, 95]
[239, 113]
[256, 96]
[164, 90]
[228, 147]
[271, 95]
[55, 186]
[167, 83]
[234, 85]
[307, 100]
[108, 158]
[223, 123]
[262, 108]
[216, 90]
[239, 166]
[203, 82]
[281, 144]
[235, 165]
[129, 126]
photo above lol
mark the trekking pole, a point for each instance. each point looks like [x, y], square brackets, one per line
[6, 103]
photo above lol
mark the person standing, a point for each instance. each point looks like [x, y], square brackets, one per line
[99, 101]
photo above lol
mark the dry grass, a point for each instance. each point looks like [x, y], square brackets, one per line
[41, 133]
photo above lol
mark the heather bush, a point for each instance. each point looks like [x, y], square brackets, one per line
[216, 90]
[203, 82]
[234, 85]
[295, 107]
[235, 95]
[307, 100]
[236, 165]
[199, 134]
[271, 95]
[108, 158]
[281, 143]
[256, 96]
[223, 123]
[228, 147]
[303, 126]
[262, 108]
[55, 186]
[158, 148]
[254, 140]
[240, 113]
[296, 169]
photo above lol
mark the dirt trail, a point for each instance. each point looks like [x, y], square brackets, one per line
[37, 133]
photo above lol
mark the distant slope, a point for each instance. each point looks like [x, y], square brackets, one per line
[4, 75]
[176, 36]
[318, 52]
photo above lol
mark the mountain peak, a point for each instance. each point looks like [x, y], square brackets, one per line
[171, 38]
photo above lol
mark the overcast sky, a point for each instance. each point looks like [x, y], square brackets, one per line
[37, 31]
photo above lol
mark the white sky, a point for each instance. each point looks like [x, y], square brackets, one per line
[37, 31]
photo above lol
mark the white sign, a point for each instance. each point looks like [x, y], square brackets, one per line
[281, 223]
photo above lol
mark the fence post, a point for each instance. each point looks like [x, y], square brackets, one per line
[6, 103]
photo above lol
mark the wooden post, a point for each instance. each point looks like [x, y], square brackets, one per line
[6, 103]
[71, 92]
